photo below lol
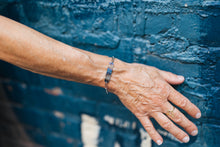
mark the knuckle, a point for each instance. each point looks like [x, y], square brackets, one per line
[183, 103]
[166, 87]
[179, 135]
[169, 74]
[189, 126]
[150, 130]
[177, 119]
[140, 114]
[135, 100]
[167, 125]
[165, 90]
[147, 127]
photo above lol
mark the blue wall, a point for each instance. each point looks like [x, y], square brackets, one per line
[180, 36]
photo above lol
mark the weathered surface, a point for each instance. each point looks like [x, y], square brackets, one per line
[181, 36]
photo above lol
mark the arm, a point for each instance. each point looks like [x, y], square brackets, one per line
[144, 90]
[38, 53]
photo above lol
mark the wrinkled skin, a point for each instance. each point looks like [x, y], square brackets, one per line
[146, 92]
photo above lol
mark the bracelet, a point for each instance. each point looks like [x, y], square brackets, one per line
[109, 73]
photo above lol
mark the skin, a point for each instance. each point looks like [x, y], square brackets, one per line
[144, 90]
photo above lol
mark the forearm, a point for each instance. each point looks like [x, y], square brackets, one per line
[38, 53]
[144, 90]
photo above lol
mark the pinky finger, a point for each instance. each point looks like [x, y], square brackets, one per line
[148, 126]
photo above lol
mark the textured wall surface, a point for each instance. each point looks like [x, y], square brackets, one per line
[181, 36]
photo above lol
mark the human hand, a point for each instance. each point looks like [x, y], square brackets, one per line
[146, 92]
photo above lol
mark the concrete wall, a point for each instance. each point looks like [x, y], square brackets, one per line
[180, 36]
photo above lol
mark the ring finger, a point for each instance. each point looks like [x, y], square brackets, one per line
[178, 117]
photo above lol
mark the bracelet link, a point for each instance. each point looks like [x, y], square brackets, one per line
[109, 74]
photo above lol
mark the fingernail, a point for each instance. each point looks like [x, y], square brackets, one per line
[198, 115]
[180, 78]
[186, 139]
[194, 133]
[159, 142]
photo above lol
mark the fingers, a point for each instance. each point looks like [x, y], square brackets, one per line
[171, 78]
[177, 98]
[181, 101]
[168, 125]
[178, 117]
[148, 126]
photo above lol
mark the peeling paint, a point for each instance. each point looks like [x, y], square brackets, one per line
[109, 119]
[137, 50]
[58, 114]
[145, 138]
[120, 122]
[117, 144]
[168, 135]
[55, 91]
[134, 125]
[89, 130]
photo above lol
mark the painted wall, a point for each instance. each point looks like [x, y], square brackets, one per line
[180, 36]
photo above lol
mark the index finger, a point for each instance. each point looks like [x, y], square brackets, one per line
[181, 101]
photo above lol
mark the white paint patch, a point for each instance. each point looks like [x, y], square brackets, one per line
[90, 131]
[119, 122]
[145, 137]
[137, 50]
[58, 114]
[109, 119]
[168, 135]
[56, 91]
[134, 124]
[117, 144]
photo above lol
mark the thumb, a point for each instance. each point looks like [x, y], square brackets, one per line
[171, 78]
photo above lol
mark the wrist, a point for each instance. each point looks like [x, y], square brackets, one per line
[119, 70]
[98, 68]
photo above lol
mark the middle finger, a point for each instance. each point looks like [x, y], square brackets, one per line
[181, 101]
[180, 119]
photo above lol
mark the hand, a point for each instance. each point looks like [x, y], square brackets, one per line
[146, 92]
